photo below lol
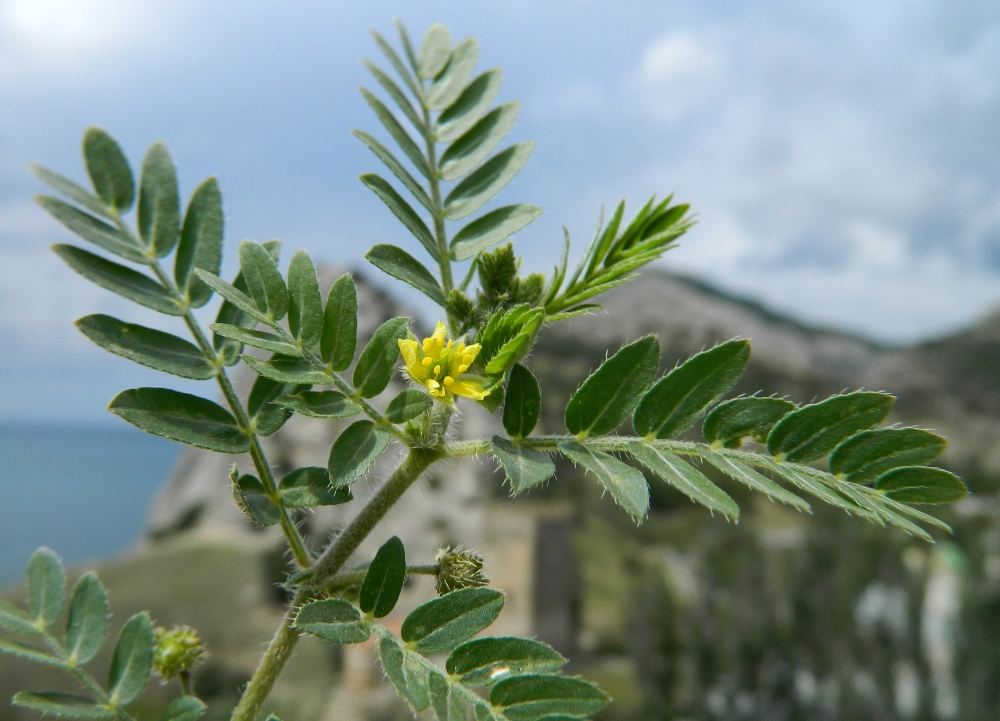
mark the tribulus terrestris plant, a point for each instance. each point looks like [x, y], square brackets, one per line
[448, 132]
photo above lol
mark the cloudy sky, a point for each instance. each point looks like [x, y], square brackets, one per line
[844, 158]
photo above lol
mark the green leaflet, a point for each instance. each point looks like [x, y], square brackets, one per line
[355, 450]
[340, 324]
[480, 186]
[28, 653]
[406, 676]
[159, 202]
[450, 83]
[88, 619]
[869, 454]
[200, 247]
[402, 210]
[185, 708]
[408, 405]
[478, 142]
[517, 347]
[384, 579]
[397, 95]
[181, 417]
[752, 479]
[132, 660]
[398, 133]
[286, 370]
[266, 415]
[46, 587]
[334, 620]
[484, 661]
[685, 478]
[528, 698]
[305, 304]
[235, 296]
[118, 279]
[492, 228]
[14, 619]
[607, 397]
[811, 485]
[396, 167]
[378, 359]
[91, 229]
[250, 496]
[522, 402]
[263, 279]
[625, 484]
[108, 169]
[470, 106]
[435, 51]
[814, 430]
[148, 347]
[397, 64]
[401, 265]
[730, 422]
[320, 404]
[525, 467]
[451, 619]
[678, 399]
[62, 704]
[309, 487]
[71, 190]
[256, 339]
[918, 484]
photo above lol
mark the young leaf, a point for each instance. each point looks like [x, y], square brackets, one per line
[408, 405]
[267, 287]
[525, 467]
[402, 210]
[384, 580]
[88, 619]
[918, 484]
[685, 478]
[333, 619]
[91, 229]
[340, 324]
[159, 202]
[305, 304]
[813, 431]
[185, 708]
[730, 422]
[607, 397]
[527, 698]
[869, 454]
[148, 347]
[250, 496]
[108, 169]
[484, 661]
[320, 404]
[401, 265]
[62, 704]
[71, 190]
[119, 279]
[435, 51]
[409, 680]
[396, 168]
[257, 339]
[625, 484]
[378, 359]
[310, 487]
[200, 246]
[455, 77]
[522, 403]
[492, 228]
[678, 399]
[46, 587]
[478, 142]
[476, 190]
[470, 106]
[132, 660]
[355, 450]
[754, 480]
[286, 369]
[181, 417]
[451, 619]
[14, 619]
[266, 415]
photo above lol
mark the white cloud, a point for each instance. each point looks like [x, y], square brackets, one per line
[680, 73]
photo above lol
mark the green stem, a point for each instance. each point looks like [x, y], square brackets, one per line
[355, 577]
[83, 677]
[185, 678]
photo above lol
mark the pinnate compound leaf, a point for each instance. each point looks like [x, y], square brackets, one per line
[409, 680]
[185, 708]
[355, 450]
[310, 487]
[480, 186]
[91, 229]
[447, 621]
[62, 704]
[267, 287]
[484, 661]
[470, 106]
[401, 265]
[340, 324]
[16, 620]
[119, 279]
[200, 247]
[435, 51]
[159, 202]
[408, 405]
[286, 369]
[478, 142]
[108, 169]
[531, 697]
[685, 478]
[625, 484]
[384, 581]
[869, 454]
[29, 653]
[250, 496]
[46, 586]
[132, 660]
[333, 619]
[402, 210]
[919, 484]
[305, 303]
[811, 432]
[77, 193]
[448, 86]
[730, 422]
[750, 478]
[522, 402]
[320, 404]
[88, 619]
[378, 359]
[607, 397]
[678, 399]
[256, 339]
[148, 347]
[181, 417]
[525, 467]
[492, 228]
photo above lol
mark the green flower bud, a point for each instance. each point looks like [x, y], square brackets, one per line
[177, 651]
[458, 568]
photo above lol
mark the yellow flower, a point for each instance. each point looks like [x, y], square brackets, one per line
[440, 367]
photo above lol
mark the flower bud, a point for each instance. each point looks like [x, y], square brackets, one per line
[458, 568]
[177, 651]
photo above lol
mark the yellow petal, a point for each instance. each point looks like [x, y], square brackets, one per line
[408, 349]
[469, 389]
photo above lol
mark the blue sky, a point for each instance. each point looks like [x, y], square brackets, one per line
[843, 157]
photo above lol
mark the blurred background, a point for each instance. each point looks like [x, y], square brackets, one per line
[843, 159]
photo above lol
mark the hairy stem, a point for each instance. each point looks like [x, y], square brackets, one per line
[355, 577]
